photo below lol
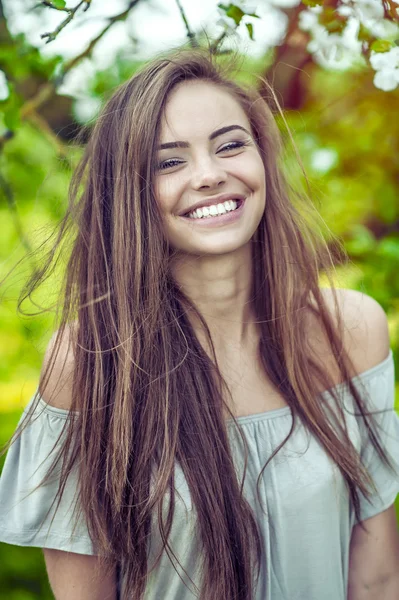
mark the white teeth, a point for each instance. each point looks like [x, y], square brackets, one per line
[213, 210]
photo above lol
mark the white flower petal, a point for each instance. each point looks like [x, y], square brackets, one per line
[345, 11]
[385, 60]
[324, 159]
[4, 90]
[386, 80]
[86, 108]
[226, 22]
[307, 20]
[384, 29]
[369, 9]
[285, 3]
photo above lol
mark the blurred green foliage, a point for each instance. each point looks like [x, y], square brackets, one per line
[347, 135]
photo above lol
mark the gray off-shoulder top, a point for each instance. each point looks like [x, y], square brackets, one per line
[305, 516]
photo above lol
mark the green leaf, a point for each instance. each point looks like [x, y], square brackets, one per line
[362, 241]
[235, 13]
[250, 28]
[335, 26]
[332, 20]
[59, 3]
[312, 3]
[10, 108]
[12, 117]
[328, 14]
[364, 34]
[389, 248]
[381, 46]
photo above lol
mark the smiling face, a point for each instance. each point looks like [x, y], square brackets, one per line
[208, 160]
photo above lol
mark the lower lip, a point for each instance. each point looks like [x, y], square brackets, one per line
[226, 219]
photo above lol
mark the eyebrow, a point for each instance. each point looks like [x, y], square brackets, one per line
[213, 135]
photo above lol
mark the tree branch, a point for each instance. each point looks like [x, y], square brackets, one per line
[86, 53]
[214, 47]
[190, 33]
[47, 90]
[71, 13]
[289, 59]
[390, 10]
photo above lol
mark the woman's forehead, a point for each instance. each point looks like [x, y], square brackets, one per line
[196, 108]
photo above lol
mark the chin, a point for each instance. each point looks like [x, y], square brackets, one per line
[215, 249]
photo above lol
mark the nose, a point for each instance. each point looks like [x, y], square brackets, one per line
[207, 173]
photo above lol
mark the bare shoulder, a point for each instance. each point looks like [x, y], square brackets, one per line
[57, 369]
[365, 326]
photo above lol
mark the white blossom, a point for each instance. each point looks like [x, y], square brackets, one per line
[86, 108]
[324, 159]
[343, 50]
[387, 79]
[285, 3]
[334, 50]
[307, 20]
[385, 60]
[245, 6]
[340, 50]
[370, 13]
[345, 11]
[386, 65]
[4, 90]
[386, 28]
[226, 22]
[368, 10]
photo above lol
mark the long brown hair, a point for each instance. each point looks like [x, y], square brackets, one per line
[142, 382]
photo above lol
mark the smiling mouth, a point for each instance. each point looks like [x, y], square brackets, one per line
[214, 210]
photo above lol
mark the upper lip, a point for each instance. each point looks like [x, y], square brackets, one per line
[209, 201]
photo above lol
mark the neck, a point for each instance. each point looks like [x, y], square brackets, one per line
[220, 288]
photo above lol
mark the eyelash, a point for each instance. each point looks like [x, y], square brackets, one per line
[166, 164]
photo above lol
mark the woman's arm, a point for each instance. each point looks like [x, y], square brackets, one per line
[75, 577]
[374, 559]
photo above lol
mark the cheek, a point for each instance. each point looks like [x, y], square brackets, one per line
[167, 192]
[259, 172]
[163, 196]
[252, 171]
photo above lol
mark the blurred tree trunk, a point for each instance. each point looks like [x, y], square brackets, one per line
[286, 74]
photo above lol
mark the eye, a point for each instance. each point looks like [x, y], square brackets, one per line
[168, 164]
[174, 162]
[232, 146]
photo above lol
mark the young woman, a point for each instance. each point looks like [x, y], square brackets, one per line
[209, 422]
